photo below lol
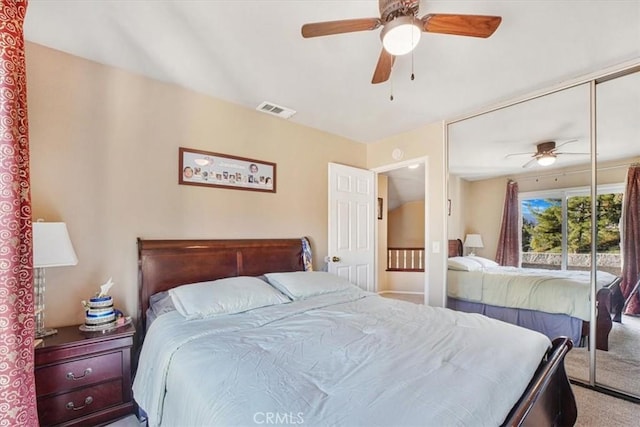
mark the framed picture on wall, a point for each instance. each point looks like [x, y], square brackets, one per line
[379, 207]
[208, 169]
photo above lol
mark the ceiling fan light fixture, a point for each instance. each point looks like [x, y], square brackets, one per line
[546, 159]
[401, 35]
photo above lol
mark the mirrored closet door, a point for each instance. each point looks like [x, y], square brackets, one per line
[543, 146]
[511, 144]
[617, 108]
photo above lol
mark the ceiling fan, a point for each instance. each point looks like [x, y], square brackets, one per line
[402, 29]
[546, 153]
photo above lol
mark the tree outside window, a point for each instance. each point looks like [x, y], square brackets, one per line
[542, 232]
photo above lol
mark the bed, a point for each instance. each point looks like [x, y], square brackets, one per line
[342, 357]
[556, 303]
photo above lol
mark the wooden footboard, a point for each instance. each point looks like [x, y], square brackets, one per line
[617, 300]
[604, 321]
[548, 400]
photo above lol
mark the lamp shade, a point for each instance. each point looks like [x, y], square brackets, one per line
[473, 241]
[52, 246]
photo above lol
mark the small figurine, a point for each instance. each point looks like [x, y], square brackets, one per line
[105, 287]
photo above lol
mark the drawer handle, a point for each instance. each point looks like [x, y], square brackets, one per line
[87, 401]
[71, 376]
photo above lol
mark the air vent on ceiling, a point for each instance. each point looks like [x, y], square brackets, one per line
[276, 110]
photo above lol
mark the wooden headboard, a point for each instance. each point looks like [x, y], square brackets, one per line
[165, 264]
[455, 248]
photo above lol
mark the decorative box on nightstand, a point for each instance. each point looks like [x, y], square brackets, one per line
[84, 378]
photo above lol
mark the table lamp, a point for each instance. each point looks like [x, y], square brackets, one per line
[473, 241]
[51, 248]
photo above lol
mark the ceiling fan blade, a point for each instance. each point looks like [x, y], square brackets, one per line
[565, 154]
[338, 27]
[383, 69]
[519, 154]
[460, 25]
[565, 143]
[530, 162]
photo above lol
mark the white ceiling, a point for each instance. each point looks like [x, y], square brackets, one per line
[405, 185]
[247, 52]
[479, 145]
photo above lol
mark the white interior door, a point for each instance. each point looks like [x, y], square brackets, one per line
[352, 217]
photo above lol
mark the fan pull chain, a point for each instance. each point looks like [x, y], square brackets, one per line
[391, 88]
[413, 77]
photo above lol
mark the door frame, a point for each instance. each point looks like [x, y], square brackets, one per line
[398, 165]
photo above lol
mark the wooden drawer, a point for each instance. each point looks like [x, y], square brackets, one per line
[78, 373]
[64, 407]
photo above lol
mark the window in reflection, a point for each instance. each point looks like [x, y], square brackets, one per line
[541, 233]
[544, 219]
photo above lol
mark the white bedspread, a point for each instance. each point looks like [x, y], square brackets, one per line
[551, 291]
[335, 360]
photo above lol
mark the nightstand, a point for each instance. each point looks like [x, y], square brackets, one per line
[84, 378]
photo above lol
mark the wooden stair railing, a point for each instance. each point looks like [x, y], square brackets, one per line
[405, 259]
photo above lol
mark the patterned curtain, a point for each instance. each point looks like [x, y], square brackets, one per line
[17, 328]
[631, 240]
[509, 243]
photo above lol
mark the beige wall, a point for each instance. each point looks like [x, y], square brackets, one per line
[104, 153]
[383, 192]
[410, 282]
[457, 197]
[425, 141]
[485, 201]
[406, 225]
[406, 230]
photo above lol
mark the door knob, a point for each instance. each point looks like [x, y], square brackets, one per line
[335, 259]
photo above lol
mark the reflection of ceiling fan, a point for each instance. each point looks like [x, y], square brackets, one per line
[545, 153]
[402, 29]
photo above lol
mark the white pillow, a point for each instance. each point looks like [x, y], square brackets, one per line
[299, 285]
[484, 262]
[463, 264]
[224, 296]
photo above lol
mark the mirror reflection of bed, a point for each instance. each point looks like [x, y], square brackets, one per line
[481, 165]
[555, 303]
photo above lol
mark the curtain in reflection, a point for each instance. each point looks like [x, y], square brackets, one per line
[631, 240]
[508, 243]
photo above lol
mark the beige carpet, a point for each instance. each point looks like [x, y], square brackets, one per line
[618, 368]
[130, 421]
[414, 298]
[600, 410]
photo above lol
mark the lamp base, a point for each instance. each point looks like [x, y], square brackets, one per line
[46, 332]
